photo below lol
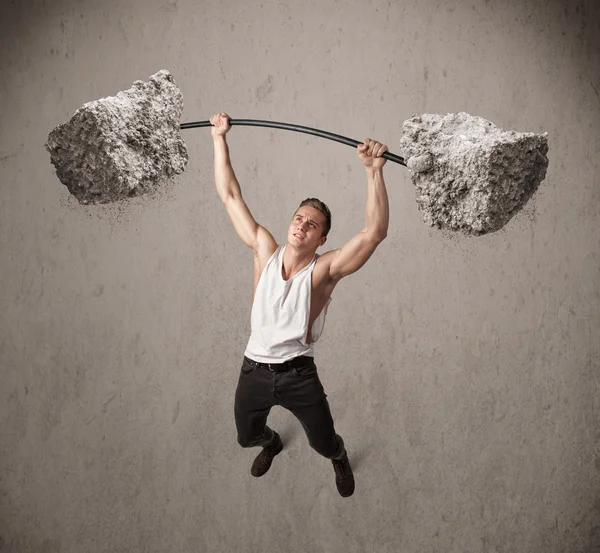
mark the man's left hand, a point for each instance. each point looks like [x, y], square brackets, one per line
[370, 153]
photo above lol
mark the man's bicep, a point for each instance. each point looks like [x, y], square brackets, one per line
[266, 244]
[352, 255]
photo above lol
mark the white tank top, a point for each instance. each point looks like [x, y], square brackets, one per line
[280, 314]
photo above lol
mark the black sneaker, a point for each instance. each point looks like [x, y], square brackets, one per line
[263, 460]
[344, 479]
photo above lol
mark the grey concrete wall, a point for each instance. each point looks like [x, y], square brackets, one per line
[462, 372]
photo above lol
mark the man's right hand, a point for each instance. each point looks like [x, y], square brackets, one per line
[220, 124]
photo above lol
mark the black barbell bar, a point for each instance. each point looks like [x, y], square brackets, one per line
[296, 128]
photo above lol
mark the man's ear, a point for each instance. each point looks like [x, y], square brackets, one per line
[323, 240]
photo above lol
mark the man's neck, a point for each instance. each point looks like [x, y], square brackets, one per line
[294, 261]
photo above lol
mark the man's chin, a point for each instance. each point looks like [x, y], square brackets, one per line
[300, 243]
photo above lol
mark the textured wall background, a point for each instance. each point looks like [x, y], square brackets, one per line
[462, 372]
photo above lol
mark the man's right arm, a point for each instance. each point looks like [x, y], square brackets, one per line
[251, 233]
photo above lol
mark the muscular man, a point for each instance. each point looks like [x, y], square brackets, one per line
[291, 294]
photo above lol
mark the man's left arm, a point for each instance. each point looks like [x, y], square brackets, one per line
[355, 253]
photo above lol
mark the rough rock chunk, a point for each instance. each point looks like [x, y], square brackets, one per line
[123, 145]
[469, 174]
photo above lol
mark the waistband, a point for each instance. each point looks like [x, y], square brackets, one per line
[299, 361]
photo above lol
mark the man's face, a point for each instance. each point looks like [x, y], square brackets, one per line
[306, 229]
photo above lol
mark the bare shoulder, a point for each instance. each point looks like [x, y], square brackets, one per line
[265, 245]
[326, 258]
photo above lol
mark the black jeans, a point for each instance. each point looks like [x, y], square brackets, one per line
[298, 389]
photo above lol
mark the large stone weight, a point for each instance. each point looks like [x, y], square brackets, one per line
[470, 175]
[123, 145]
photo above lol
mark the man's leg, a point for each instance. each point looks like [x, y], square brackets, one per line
[253, 402]
[305, 397]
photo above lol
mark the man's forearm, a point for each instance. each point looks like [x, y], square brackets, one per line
[378, 212]
[225, 179]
